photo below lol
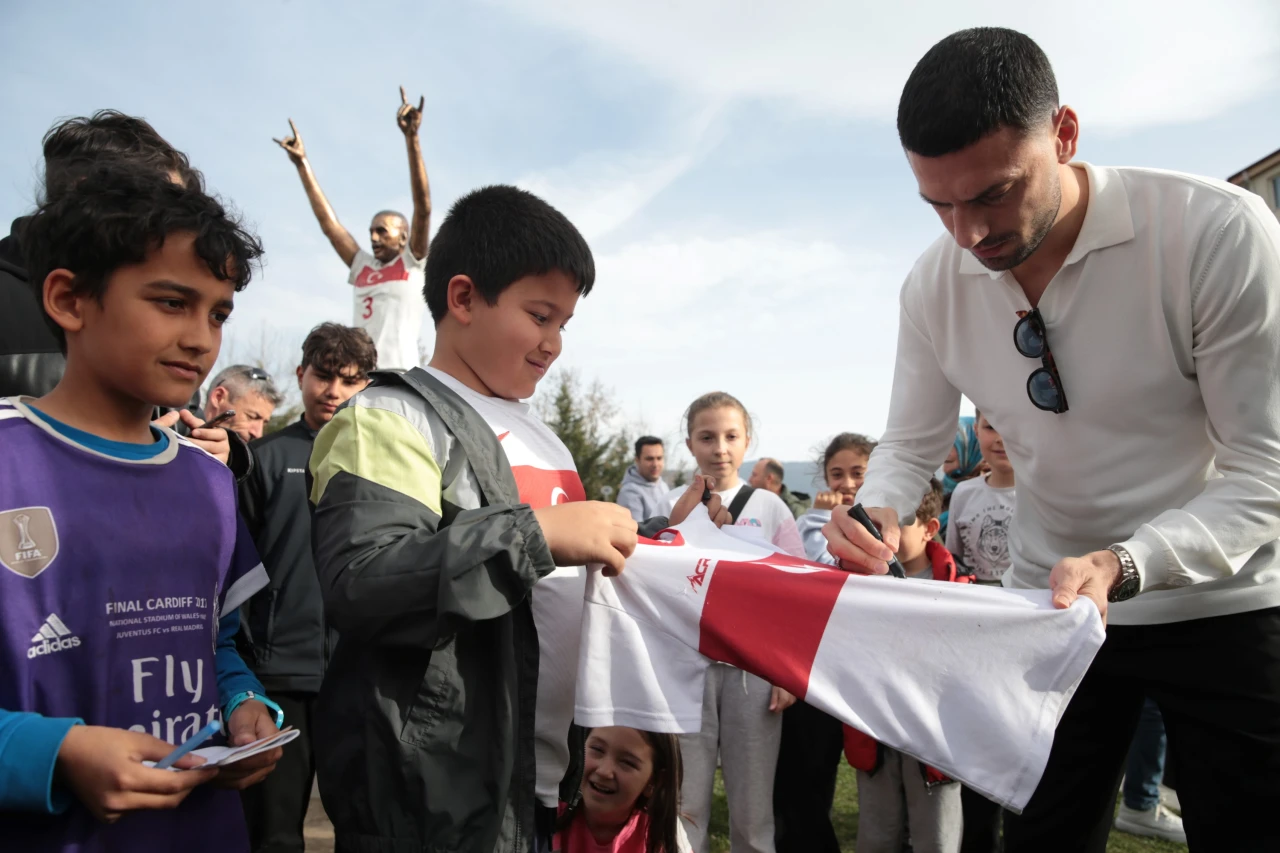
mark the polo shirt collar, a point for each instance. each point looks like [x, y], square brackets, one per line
[1107, 221]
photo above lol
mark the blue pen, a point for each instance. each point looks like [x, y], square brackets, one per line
[192, 742]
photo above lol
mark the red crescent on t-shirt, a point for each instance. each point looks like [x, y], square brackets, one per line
[369, 276]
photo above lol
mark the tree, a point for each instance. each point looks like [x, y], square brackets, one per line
[584, 421]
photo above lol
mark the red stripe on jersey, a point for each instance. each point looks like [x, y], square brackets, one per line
[540, 488]
[369, 276]
[767, 620]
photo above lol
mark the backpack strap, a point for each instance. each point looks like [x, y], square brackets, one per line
[476, 443]
[739, 502]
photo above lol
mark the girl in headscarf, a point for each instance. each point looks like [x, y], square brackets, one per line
[963, 462]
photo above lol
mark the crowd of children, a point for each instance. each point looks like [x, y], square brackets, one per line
[422, 534]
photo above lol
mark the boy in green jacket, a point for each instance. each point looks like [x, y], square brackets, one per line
[441, 501]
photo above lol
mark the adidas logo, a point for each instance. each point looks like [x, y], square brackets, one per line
[53, 636]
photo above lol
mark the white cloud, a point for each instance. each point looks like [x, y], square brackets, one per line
[802, 330]
[1123, 64]
[601, 190]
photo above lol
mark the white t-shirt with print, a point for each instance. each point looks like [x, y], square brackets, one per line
[389, 305]
[978, 528]
[764, 514]
[545, 475]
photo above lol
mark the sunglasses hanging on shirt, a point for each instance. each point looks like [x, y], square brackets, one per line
[1044, 385]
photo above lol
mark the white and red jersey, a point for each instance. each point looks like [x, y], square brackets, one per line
[971, 680]
[545, 475]
[389, 304]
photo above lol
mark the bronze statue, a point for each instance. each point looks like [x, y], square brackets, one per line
[388, 283]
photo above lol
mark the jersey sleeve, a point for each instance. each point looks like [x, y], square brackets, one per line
[636, 666]
[412, 263]
[246, 574]
[359, 262]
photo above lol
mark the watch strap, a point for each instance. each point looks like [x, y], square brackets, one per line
[1128, 573]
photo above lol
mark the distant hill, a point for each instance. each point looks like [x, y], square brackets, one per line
[799, 476]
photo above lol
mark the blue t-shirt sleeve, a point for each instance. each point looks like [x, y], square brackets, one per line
[232, 673]
[29, 745]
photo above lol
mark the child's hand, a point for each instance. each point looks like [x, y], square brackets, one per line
[693, 496]
[828, 500]
[780, 700]
[103, 766]
[251, 721]
[589, 532]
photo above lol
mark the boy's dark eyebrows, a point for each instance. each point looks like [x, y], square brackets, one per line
[185, 290]
[547, 303]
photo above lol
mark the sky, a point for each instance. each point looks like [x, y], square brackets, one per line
[734, 166]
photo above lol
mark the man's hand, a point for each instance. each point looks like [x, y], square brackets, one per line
[780, 700]
[213, 441]
[293, 146]
[693, 496]
[854, 546]
[251, 721]
[104, 768]
[828, 500]
[589, 532]
[408, 116]
[1091, 576]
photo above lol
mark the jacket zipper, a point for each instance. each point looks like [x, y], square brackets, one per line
[271, 625]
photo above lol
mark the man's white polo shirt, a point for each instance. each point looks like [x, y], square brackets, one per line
[1165, 325]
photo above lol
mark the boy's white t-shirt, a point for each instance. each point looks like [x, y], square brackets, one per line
[835, 639]
[978, 528]
[764, 515]
[545, 475]
[389, 305]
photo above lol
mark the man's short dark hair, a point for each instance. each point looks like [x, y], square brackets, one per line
[76, 145]
[498, 235]
[970, 84]
[404, 221]
[334, 348]
[119, 213]
[644, 441]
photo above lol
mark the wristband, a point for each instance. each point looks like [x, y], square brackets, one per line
[240, 698]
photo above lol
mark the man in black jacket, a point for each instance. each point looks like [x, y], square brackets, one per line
[284, 636]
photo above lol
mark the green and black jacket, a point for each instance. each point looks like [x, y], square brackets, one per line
[425, 723]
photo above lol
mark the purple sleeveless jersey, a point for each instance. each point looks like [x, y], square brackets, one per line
[112, 576]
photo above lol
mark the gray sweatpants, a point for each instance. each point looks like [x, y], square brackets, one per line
[737, 725]
[934, 816]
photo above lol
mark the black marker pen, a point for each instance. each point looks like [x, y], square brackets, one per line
[860, 515]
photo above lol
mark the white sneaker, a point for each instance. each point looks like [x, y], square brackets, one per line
[1158, 822]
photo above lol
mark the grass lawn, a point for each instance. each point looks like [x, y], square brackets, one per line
[845, 819]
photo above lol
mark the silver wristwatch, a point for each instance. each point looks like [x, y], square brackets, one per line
[1128, 583]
